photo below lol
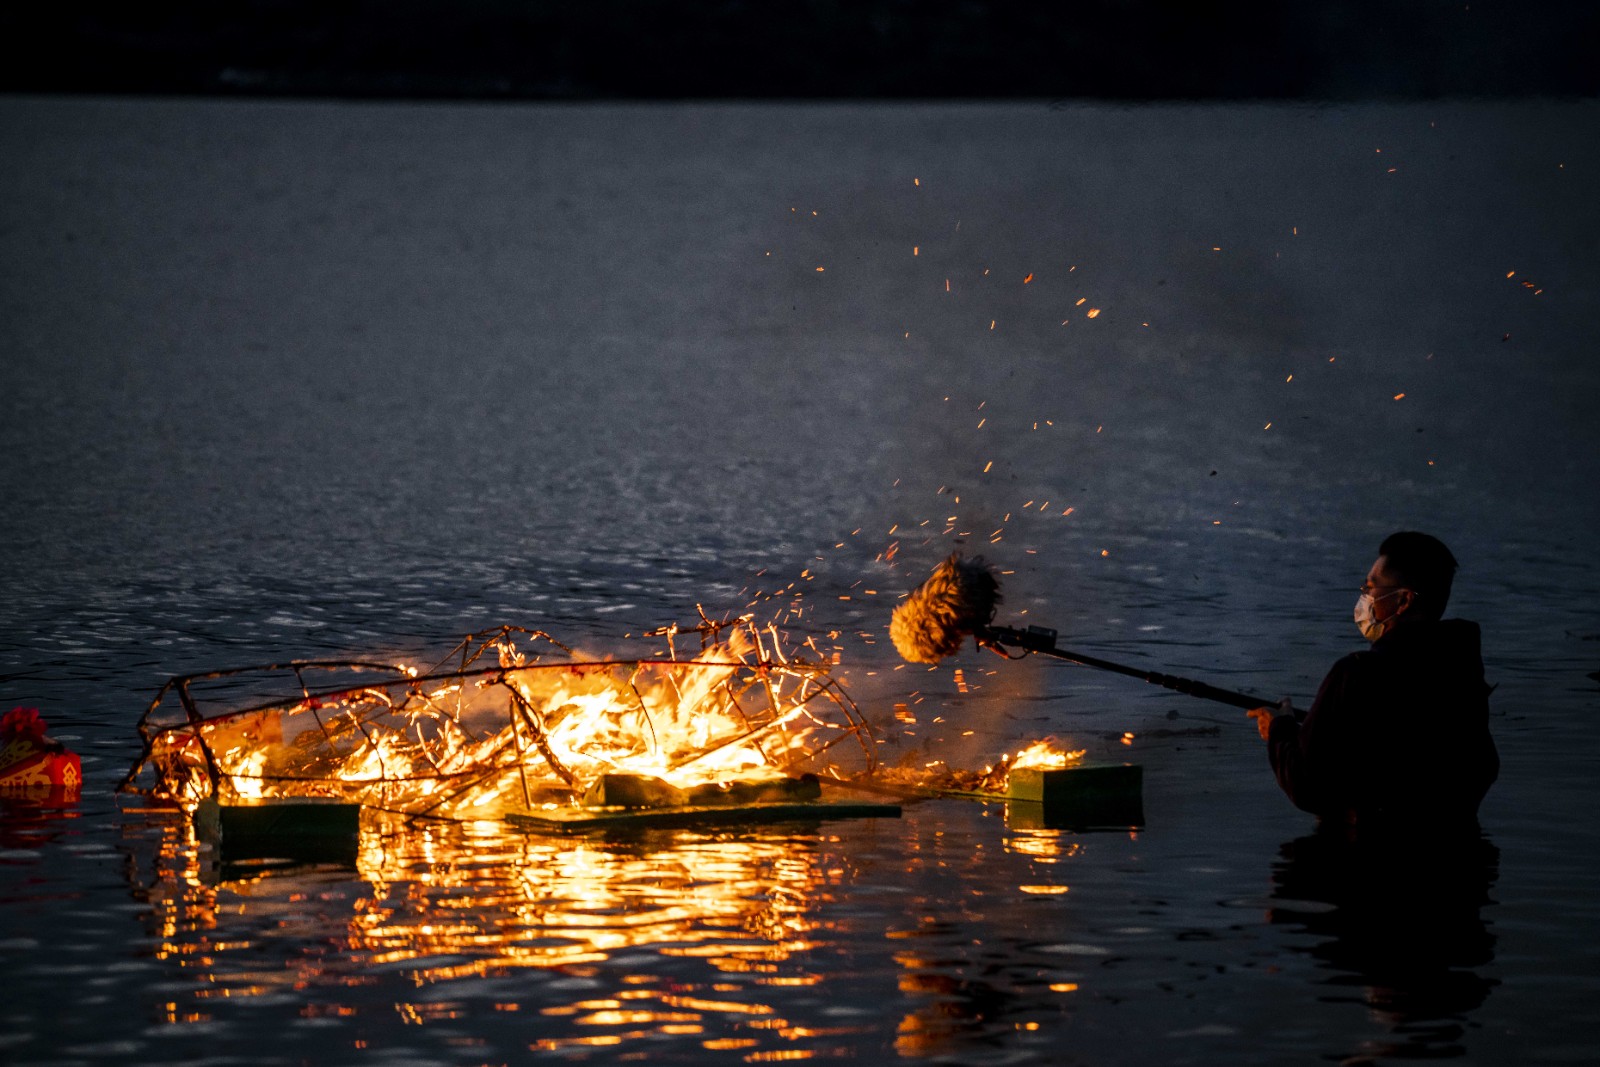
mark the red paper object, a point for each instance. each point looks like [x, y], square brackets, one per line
[33, 766]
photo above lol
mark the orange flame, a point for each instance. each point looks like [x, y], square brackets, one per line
[1045, 756]
[518, 733]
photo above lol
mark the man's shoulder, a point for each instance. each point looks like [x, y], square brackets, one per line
[1358, 671]
[1343, 682]
[1450, 637]
[1462, 632]
[1350, 663]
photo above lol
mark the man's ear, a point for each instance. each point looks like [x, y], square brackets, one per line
[1407, 600]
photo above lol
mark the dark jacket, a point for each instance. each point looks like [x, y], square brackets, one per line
[1398, 734]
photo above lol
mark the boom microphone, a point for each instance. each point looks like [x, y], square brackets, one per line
[959, 598]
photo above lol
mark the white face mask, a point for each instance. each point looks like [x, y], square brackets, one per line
[1372, 628]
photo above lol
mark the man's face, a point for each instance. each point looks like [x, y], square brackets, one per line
[1389, 597]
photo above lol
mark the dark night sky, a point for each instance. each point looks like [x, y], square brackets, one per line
[773, 49]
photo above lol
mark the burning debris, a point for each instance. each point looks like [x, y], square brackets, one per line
[546, 740]
[498, 729]
[940, 779]
[1044, 787]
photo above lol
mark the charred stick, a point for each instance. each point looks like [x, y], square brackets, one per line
[539, 741]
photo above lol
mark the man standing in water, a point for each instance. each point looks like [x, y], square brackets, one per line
[1399, 734]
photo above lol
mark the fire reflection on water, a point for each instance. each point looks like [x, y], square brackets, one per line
[961, 989]
[472, 903]
[1043, 846]
[528, 901]
[615, 943]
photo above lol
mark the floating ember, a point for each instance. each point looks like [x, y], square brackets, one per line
[499, 730]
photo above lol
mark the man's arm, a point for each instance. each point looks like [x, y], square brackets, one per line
[1265, 714]
[1307, 756]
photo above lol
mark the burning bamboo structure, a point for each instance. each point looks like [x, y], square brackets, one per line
[494, 727]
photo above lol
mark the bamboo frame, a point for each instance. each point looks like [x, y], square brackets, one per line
[791, 689]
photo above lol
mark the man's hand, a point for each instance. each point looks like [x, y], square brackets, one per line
[1264, 715]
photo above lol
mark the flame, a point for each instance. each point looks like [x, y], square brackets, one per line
[517, 734]
[1045, 756]
[938, 776]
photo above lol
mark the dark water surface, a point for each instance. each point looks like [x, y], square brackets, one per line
[293, 380]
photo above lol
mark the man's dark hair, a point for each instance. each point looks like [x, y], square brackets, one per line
[1423, 565]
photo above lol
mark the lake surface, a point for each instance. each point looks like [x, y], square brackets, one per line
[323, 379]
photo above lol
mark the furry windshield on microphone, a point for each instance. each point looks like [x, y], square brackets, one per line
[958, 599]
